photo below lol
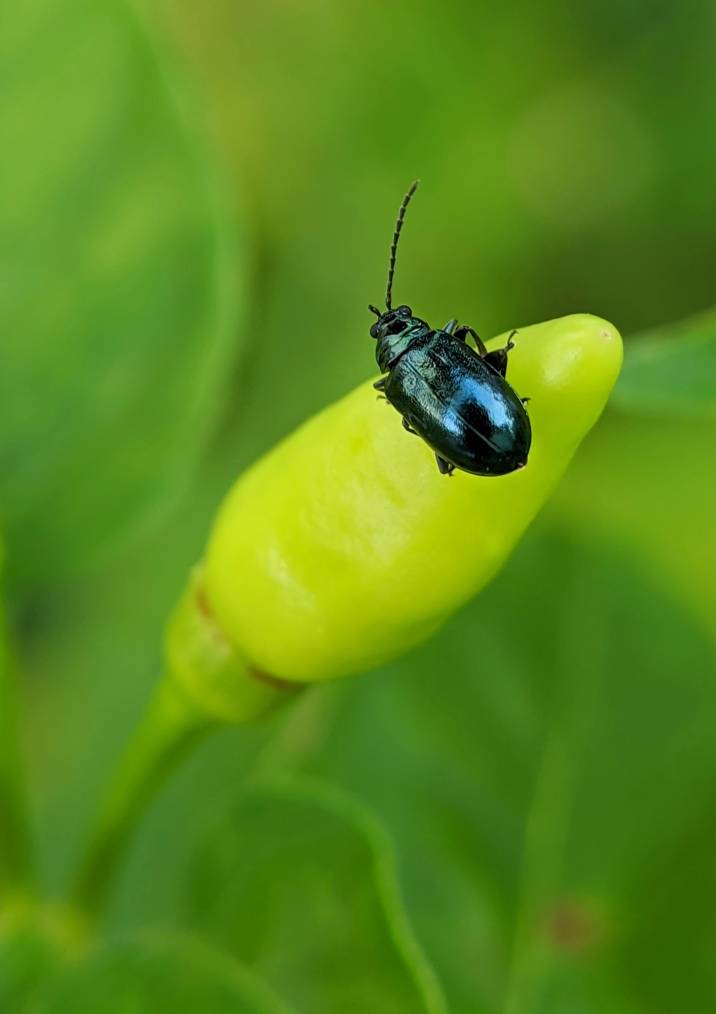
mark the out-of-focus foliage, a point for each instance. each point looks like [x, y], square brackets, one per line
[646, 477]
[27, 958]
[671, 373]
[557, 878]
[117, 284]
[161, 973]
[544, 768]
[273, 883]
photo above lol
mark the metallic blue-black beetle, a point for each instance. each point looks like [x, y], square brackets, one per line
[455, 398]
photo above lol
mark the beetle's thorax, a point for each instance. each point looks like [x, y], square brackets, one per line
[395, 331]
[391, 346]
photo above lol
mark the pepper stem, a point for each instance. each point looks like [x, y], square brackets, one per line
[169, 730]
[206, 686]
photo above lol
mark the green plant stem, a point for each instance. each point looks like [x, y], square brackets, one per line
[16, 864]
[170, 728]
[206, 685]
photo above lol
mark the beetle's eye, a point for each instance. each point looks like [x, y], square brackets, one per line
[404, 311]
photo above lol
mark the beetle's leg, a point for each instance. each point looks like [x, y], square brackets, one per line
[379, 385]
[445, 467]
[498, 361]
[498, 357]
[450, 326]
[407, 426]
[462, 333]
[525, 400]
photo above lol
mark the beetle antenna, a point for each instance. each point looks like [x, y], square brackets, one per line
[394, 244]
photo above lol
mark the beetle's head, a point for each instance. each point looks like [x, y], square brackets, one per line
[390, 322]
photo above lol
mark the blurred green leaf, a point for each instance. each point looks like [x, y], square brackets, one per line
[152, 973]
[540, 765]
[16, 850]
[300, 884]
[647, 482]
[28, 955]
[645, 475]
[118, 278]
[671, 371]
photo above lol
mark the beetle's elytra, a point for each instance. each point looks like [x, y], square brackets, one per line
[457, 399]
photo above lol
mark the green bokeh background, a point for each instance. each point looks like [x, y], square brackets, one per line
[197, 201]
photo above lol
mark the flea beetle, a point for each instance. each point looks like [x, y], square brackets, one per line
[455, 398]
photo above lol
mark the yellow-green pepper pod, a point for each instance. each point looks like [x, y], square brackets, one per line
[344, 546]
